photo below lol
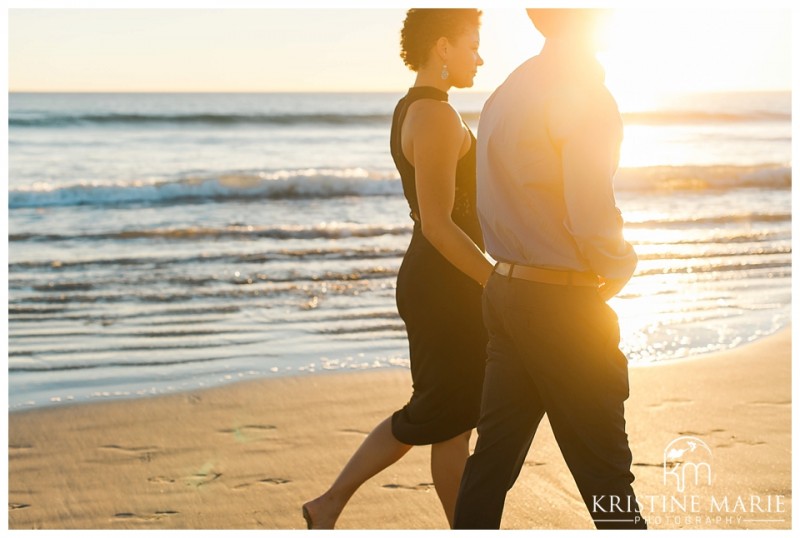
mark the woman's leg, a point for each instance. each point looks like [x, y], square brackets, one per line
[447, 465]
[378, 451]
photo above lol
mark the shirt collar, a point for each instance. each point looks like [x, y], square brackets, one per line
[574, 55]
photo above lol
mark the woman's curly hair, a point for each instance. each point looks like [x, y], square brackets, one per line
[423, 27]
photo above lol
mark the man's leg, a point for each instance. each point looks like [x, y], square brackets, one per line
[510, 413]
[599, 459]
[582, 380]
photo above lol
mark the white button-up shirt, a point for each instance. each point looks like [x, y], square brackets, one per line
[548, 149]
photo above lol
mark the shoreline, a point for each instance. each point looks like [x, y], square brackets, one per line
[247, 454]
[147, 394]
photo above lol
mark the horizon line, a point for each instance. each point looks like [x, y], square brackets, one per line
[460, 90]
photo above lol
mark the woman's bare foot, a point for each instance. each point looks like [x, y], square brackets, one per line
[308, 518]
[322, 512]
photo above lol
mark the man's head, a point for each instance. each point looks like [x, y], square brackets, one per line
[577, 24]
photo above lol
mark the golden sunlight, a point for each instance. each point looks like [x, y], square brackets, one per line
[650, 53]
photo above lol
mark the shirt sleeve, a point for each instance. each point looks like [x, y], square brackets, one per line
[591, 130]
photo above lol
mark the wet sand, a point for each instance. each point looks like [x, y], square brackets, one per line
[247, 455]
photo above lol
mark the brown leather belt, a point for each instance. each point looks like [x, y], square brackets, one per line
[546, 276]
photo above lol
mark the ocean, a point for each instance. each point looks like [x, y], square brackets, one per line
[169, 242]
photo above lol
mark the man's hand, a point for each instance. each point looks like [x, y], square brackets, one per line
[609, 287]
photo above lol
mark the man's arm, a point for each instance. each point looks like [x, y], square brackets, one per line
[585, 124]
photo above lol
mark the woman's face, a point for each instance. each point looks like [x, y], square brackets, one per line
[463, 58]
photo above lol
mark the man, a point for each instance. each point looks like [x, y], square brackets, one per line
[548, 148]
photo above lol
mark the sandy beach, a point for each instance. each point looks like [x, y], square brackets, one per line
[206, 223]
[246, 455]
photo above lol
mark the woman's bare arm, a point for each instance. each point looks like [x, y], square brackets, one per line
[437, 136]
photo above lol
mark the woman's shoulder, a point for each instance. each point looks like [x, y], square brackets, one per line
[434, 117]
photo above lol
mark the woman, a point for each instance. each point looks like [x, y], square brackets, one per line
[440, 281]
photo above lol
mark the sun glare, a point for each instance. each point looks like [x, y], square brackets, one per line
[653, 53]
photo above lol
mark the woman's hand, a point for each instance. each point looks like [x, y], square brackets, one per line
[434, 138]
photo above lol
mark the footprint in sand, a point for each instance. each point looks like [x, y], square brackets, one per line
[142, 453]
[734, 441]
[201, 478]
[422, 486]
[204, 475]
[18, 451]
[250, 432]
[701, 434]
[130, 449]
[267, 481]
[161, 514]
[161, 480]
[673, 402]
[534, 463]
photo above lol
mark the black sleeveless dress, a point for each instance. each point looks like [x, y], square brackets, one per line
[441, 308]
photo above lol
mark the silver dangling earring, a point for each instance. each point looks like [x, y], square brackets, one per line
[445, 72]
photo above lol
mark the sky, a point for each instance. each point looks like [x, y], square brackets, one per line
[349, 49]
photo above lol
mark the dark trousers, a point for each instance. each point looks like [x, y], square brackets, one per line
[555, 350]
